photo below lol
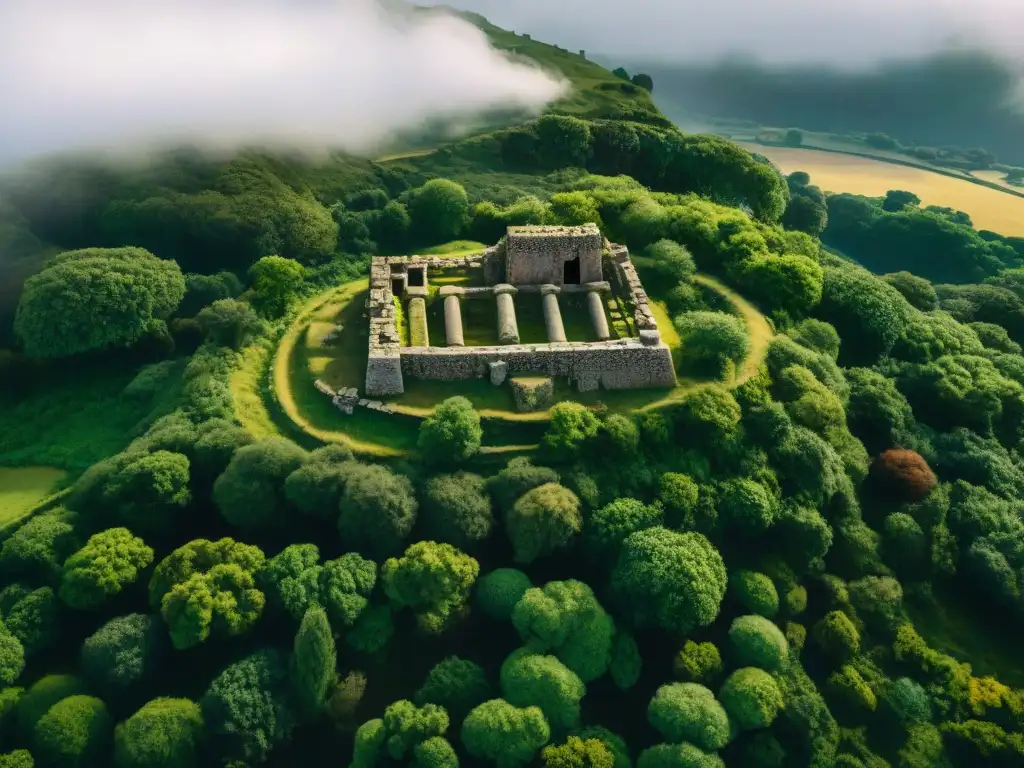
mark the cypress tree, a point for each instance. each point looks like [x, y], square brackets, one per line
[315, 661]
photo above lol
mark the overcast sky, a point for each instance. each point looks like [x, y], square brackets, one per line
[124, 74]
[844, 32]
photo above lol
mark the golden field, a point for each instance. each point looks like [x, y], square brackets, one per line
[833, 172]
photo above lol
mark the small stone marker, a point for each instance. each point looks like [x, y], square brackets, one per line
[499, 370]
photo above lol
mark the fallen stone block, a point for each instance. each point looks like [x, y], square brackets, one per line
[533, 394]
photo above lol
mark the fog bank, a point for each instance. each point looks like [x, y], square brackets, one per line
[853, 33]
[125, 75]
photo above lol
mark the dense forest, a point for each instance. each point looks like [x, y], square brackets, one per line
[957, 98]
[755, 575]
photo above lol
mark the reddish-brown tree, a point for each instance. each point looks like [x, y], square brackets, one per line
[902, 475]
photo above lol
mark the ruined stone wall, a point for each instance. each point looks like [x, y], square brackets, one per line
[536, 255]
[383, 366]
[619, 364]
[628, 282]
[635, 363]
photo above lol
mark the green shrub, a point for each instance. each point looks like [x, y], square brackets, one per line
[698, 662]
[75, 732]
[502, 733]
[689, 712]
[42, 695]
[751, 697]
[165, 733]
[498, 592]
[532, 680]
[757, 642]
[542, 521]
[755, 592]
[456, 684]
[837, 636]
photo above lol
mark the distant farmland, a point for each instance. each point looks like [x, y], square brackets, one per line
[834, 172]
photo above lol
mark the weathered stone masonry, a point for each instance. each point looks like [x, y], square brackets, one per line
[619, 364]
[531, 260]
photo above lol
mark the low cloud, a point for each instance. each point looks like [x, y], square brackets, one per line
[851, 33]
[310, 74]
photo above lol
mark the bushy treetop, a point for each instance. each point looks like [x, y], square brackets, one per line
[758, 642]
[457, 510]
[295, 579]
[96, 298]
[505, 734]
[530, 679]
[689, 712]
[434, 580]
[498, 592]
[378, 510]
[543, 520]
[751, 697]
[250, 493]
[165, 732]
[672, 580]
[452, 433]
[208, 587]
[109, 562]
[564, 618]
[75, 731]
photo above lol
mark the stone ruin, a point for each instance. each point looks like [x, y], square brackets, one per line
[542, 261]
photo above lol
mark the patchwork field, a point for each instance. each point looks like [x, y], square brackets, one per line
[834, 172]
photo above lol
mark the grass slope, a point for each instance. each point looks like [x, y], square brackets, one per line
[78, 419]
[596, 92]
[23, 488]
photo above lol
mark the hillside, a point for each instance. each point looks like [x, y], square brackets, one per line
[803, 548]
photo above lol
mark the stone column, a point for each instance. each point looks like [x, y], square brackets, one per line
[552, 314]
[452, 315]
[419, 334]
[508, 329]
[597, 315]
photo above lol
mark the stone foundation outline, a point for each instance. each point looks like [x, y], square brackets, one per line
[631, 363]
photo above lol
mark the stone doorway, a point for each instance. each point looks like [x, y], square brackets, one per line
[397, 286]
[417, 278]
[571, 272]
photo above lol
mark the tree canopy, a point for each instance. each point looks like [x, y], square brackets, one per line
[96, 298]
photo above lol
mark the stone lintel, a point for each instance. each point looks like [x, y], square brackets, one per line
[601, 287]
[417, 291]
[503, 288]
[650, 338]
[451, 290]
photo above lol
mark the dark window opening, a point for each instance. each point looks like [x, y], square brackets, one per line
[397, 286]
[571, 272]
[416, 278]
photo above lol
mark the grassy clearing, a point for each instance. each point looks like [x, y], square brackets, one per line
[950, 624]
[454, 249]
[74, 421]
[23, 488]
[301, 358]
[247, 392]
[988, 208]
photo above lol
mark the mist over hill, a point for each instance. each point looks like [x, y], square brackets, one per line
[324, 74]
[927, 72]
[957, 98]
